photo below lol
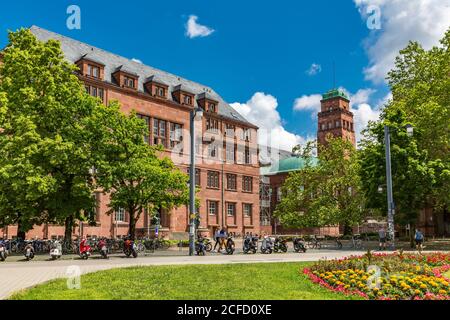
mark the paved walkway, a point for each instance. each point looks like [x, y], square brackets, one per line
[19, 275]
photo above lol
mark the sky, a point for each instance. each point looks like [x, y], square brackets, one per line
[271, 60]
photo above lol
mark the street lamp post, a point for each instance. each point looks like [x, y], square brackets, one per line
[390, 196]
[197, 112]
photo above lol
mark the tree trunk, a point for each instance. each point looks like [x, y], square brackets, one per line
[20, 233]
[68, 224]
[412, 232]
[132, 225]
[348, 230]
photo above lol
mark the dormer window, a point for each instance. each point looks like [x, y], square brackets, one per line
[212, 107]
[160, 91]
[90, 68]
[156, 87]
[187, 100]
[129, 82]
[125, 78]
[93, 71]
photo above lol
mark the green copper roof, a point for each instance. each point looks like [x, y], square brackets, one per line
[290, 164]
[334, 93]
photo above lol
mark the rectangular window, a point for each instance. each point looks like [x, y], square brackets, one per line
[213, 151]
[246, 134]
[212, 125]
[324, 127]
[187, 100]
[231, 182]
[338, 124]
[230, 130]
[247, 156]
[129, 82]
[176, 132]
[147, 123]
[159, 132]
[96, 92]
[231, 209]
[160, 91]
[197, 176]
[247, 184]
[120, 215]
[213, 179]
[247, 209]
[213, 208]
[230, 153]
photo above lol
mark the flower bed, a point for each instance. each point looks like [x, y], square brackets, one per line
[386, 276]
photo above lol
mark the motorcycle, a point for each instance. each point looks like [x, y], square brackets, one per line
[208, 245]
[56, 251]
[29, 252]
[267, 245]
[250, 245]
[103, 249]
[230, 246]
[299, 245]
[280, 245]
[3, 252]
[200, 247]
[130, 249]
[85, 250]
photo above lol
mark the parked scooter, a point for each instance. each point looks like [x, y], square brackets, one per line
[280, 245]
[230, 246]
[250, 245]
[29, 251]
[103, 248]
[129, 248]
[3, 251]
[200, 246]
[267, 245]
[299, 245]
[56, 250]
[85, 249]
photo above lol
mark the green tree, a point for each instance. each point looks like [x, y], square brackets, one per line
[45, 154]
[324, 194]
[135, 174]
[420, 85]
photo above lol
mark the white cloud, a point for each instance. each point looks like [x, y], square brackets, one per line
[314, 69]
[308, 103]
[424, 21]
[136, 60]
[194, 30]
[261, 110]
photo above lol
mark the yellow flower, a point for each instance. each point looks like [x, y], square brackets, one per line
[417, 292]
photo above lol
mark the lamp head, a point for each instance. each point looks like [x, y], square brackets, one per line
[410, 130]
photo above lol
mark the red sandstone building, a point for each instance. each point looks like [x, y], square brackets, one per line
[227, 165]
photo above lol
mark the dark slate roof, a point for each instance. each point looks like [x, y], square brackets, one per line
[74, 50]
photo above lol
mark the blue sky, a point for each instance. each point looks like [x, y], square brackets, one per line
[261, 49]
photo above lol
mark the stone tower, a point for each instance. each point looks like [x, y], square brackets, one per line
[335, 117]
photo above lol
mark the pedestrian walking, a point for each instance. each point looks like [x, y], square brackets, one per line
[382, 236]
[419, 238]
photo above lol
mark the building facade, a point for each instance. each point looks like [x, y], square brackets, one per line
[227, 172]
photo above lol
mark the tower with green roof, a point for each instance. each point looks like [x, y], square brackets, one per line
[335, 117]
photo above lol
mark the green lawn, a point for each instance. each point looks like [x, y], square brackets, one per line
[447, 274]
[281, 281]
